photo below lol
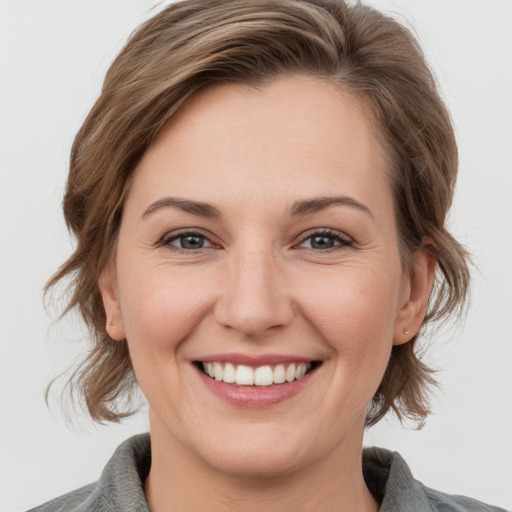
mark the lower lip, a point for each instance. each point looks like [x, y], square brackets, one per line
[256, 396]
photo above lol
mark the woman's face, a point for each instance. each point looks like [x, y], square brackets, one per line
[258, 241]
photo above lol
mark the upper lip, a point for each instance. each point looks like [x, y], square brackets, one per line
[255, 360]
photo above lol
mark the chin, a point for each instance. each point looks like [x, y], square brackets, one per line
[258, 451]
[258, 464]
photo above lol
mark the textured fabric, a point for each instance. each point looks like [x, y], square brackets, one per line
[390, 480]
[121, 485]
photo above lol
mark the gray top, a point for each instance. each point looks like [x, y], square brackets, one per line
[121, 485]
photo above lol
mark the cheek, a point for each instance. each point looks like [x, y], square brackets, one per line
[161, 307]
[352, 305]
[354, 311]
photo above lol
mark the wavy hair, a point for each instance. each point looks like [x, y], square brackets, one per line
[193, 44]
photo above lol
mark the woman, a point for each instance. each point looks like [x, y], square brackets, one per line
[259, 198]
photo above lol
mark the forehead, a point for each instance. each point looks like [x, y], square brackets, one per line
[296, 135]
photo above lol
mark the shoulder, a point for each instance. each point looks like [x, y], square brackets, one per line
[390, 480]
[73, 501]
[451, 503]
[120, 487]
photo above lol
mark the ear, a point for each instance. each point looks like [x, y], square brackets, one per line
[108, 289]
[415, 293]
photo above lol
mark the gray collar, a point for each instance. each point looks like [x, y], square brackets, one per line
[121, 485]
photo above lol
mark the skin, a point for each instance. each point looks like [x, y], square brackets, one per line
[260, 286]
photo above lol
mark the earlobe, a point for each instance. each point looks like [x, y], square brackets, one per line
[417, 291]
[114, 324]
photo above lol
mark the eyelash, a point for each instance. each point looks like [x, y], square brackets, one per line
[342, 241]
[335, 236]
[167, 240]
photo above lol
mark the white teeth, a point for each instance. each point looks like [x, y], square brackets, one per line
[229, 373]
[290, 373]
[279, 374]
[244, 375]
[261, 376]
[300, 371]
[217, 371]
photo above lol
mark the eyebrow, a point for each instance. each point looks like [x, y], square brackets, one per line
[299, 208]
[195, 207]
[303, 207]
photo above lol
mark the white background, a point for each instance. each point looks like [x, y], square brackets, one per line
[53, 55]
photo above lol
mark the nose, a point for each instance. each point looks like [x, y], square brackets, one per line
[254, 299]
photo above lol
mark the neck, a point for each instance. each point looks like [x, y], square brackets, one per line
[180, 481]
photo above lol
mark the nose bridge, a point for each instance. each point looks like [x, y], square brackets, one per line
[254, 299]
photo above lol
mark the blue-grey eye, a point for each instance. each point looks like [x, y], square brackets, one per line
[189, 241]
[322, 242]
[325, 240]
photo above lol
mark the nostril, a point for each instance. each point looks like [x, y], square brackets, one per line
[252, 298]
[253, 320]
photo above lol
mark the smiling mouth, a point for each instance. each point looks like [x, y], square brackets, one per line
[262, 376]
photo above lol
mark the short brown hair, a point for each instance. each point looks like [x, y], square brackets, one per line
[195, 43]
